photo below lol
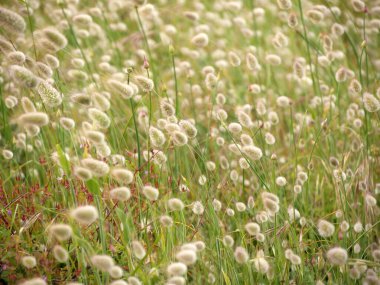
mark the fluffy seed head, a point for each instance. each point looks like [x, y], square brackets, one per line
[198, 208]
[49, 95]
[67, 123]
[284, 4]
[157, 137]
[29, 261]
[241, 255]
[85, 215]
[99, 118]
[371, 103]
[120, 193]
[179, 138]
[23, 76]
[200, 40]
[150, 192]
[252, 228]
[187, 257]
[11, 22]
[176, 269]
[252, 152]
[167, 109]
[122, 175]
[116, 272]
[118, 282]
[34, 281]
[51, 39]
[337, 256]
[102, 262]
[61, 232]
[98, 168]
[7, 154]
[34, 118]
[228, 241]
[144, 83]
[260, 262]
[188, 128]
[234, 59]
[175, 204]
[138, 249]
[325, 228]
[82, 173]
[60, 254]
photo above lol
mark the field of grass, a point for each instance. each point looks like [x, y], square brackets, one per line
[189, 142]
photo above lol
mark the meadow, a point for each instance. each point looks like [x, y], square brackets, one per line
[189, 142]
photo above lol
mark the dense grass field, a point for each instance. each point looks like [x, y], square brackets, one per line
[189, 142]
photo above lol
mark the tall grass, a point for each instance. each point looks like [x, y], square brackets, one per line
[217, 142]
